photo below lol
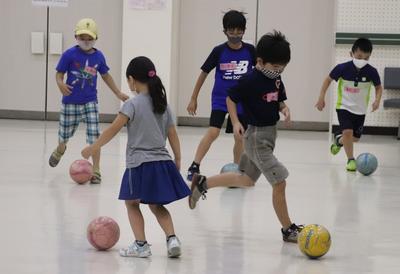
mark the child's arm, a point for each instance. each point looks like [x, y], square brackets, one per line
[175, 145]
[237, 126]
[106, 136]
[111, 84]
[378, 96]
[321, 100]
[284, 109]
[192, 106]
[64, 88]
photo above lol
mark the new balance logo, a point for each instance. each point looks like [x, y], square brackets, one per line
[234, 70]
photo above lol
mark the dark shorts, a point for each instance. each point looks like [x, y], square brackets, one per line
[217, 119]
[348, 120]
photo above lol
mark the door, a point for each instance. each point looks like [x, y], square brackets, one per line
[22, 74]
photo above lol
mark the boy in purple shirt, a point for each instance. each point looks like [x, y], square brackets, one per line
[231, 60]
[82, 62]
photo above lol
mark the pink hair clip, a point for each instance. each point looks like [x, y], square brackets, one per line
[151, 73]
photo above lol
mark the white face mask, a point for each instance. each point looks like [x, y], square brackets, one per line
[86, 45]
[360, 63]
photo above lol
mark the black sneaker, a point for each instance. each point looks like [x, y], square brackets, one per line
[198, 188]
[291, 234]
[193, 169]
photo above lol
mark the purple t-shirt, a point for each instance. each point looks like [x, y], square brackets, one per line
[230, 65]
[81, 69]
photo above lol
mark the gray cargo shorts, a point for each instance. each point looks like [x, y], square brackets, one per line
[257, 158]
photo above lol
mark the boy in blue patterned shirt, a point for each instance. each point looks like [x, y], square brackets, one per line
[82, 63]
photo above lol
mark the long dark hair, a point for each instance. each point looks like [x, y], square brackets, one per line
[143, 70]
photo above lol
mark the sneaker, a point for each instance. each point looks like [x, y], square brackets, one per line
[290, 234]
[135, 250]
[55, 157]
[174, 247]
[96, 178]
[198, 188]
[351, 165]
[193, 169]
[336, 146]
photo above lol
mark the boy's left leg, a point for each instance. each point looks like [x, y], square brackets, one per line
[91, 115]
[68, 123]
[352, 127]
[289, 230]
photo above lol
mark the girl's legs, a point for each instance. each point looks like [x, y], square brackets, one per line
[139, 248]
[165, 221]
[136, 219]
[163, 218]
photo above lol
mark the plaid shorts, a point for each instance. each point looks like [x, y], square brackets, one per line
[70, 117]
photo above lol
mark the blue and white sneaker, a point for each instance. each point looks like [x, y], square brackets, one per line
[135, 250]
[174, 247]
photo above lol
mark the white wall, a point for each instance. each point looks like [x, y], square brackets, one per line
[150, 33]
[371, 16]
[309, 27]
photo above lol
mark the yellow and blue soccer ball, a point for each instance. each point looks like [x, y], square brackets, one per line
[314, 241]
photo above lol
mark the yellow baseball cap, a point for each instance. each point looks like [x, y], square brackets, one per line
[86, 26]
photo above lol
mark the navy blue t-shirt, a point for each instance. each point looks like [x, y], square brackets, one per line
[81, 69]
[260, 97]
[230, 65]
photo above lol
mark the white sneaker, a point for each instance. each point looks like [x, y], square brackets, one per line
[174, 247]
[135, 250]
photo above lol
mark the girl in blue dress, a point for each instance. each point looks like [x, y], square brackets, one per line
[151, 177]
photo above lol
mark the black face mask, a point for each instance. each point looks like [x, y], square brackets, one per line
[271, 74]
[234, 39]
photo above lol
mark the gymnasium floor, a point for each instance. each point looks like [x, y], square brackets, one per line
[44, 214]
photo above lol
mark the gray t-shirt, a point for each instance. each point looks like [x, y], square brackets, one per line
[147, 131]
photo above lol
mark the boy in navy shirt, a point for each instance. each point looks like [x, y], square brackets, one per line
[355, 79]
[262, 95]
[79, 101]
[231, 60]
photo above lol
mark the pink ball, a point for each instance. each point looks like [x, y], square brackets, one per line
[103, 233]
[81, 171]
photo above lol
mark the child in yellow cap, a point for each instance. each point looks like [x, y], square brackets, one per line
[81, 63]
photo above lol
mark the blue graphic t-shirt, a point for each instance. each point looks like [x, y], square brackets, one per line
[81, 69]
[230, 65]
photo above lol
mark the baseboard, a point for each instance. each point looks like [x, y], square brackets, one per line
[40, 115]
[372, 130]
[311, 126]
